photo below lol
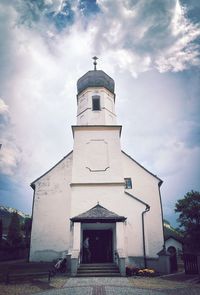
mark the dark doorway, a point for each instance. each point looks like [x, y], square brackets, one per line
[100, 246]
[173, 259]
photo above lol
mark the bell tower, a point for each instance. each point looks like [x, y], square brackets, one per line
[96, 98]
[97, 150]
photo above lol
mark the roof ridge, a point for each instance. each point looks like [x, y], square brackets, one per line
[160, 180]
[101, 213]
[33, 182]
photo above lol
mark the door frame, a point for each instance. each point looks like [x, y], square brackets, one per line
[96, 227]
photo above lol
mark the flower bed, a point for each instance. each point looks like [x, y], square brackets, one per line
[145, 272]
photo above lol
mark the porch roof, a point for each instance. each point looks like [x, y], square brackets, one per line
[98, 214]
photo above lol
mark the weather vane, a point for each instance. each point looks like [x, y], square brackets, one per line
[95, 62]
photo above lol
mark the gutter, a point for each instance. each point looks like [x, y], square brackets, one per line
[143, 235]
[143, 232]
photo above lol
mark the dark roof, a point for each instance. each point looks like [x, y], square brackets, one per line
[95, 79]
[98, 213]
[165, 221]
[172, 233]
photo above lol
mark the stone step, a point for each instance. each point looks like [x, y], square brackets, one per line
[98, 274]
[98, 269]
[98, 264]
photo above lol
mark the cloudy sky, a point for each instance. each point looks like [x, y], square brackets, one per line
[149, 47]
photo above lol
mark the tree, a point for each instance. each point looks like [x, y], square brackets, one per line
[26, 227]
[14, 233]
[189, 219]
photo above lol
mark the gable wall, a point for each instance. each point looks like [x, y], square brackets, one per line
[51, 230]
[174, 243]
[145, 187]
[51, 226]
[112, 197]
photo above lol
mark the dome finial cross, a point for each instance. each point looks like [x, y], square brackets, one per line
[95, 62]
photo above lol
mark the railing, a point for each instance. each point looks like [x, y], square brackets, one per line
[120, 261]
[191, 263]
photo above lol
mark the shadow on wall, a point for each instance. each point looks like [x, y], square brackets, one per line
[46, 255]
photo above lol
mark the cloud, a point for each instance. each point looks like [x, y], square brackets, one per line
[9, 152]
[150, 49]
[42, 99]
[9, 158]
[184, 52]
[160, 118]
[136, 35]
[143, 35]
[3, 107]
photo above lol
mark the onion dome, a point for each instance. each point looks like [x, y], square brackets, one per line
[95, 78]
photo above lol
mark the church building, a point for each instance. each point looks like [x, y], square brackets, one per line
[98, 205]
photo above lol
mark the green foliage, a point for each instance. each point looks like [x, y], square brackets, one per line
[189, 219]
[14, 232]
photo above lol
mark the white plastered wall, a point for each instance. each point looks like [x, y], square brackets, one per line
[51, 226]
[112, 197]
[174, 243]
[145, 187]
[97, 148]
[85, 114]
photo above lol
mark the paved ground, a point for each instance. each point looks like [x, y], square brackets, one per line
[113, 286]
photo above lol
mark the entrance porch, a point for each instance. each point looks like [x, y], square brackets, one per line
[98, 238]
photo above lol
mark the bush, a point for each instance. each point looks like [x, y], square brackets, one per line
[131, 270]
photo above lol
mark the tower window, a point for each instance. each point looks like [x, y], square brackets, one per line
[96, 103]
[128, 183]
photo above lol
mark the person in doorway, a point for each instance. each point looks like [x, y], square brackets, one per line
[86, 248]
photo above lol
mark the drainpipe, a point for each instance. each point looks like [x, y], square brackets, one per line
[143, 235]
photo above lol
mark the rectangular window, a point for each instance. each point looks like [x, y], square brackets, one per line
[128, 183]
[96, 103]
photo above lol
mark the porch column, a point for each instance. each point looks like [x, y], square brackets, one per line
[120, 235]
[120, 247]
[77, 236]
[76, 248]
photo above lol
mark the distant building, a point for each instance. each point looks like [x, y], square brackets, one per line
[172, 238]
[98, 192]
[173, 245]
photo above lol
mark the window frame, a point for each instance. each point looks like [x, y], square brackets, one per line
[128, 183]
[97, 98]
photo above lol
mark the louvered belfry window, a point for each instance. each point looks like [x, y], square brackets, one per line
[96, 103]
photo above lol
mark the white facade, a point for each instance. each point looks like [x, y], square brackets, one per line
[95, 172]
[171, 242]
[106, 116]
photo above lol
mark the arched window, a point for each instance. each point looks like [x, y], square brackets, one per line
[96, 103]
